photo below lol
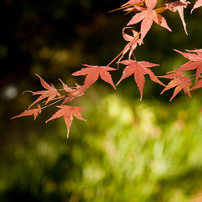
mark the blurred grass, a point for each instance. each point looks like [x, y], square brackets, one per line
[126, 151]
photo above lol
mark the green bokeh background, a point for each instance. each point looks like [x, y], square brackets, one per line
[127, 150]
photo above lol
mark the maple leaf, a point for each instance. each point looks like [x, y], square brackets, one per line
[131, 5]
[179, 81]
[147, 16]
[29, 112]
[50, 92]
[194, 63]
[72, 93]
[93, 72]
[198, 51]
[68, 112]
[197, 4]
[179, 6]
[132, 2]
[133, 42]
[200, 109]
[139, 69]
[197, 85]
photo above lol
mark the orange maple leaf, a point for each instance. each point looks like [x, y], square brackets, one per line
[133, 42]
[200, 109]
[139, 69]
[147, 16]
[131, 5]
[93, 72]
[72, 93]
[29, 112]
[198, 84]
[179, 6]
[179, 81]
[68, 112]
[197, 4]
[194, 63]
[50, 92]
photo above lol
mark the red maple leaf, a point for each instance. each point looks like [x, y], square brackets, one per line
[131, 5]
[197, 85]
[72, 92]
[68, 112]
[197, 4]
[93, 72]
[147, 16]
[200, 109]
[133, 42]
[29, 112]
[179, 81]
[194, 63]
[179, 6]
[50, 92]
[198, 51]
[139, 69]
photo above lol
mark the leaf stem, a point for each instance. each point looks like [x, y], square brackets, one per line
[115, 57]
[128, 45]
[51, 104]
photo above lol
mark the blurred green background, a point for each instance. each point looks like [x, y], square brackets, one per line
[127, 150]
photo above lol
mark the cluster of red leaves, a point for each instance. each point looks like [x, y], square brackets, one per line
[52, 94]
[146, 12]
[179, 80]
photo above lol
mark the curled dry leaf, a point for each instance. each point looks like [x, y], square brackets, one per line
[133, 42]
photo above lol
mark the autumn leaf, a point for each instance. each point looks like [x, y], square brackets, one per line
[133, 42]
[29, 112]
[149, 15]
[197, 4]
[68, 112]
[72, 92]
[179, 81]
[198, 51]
[200, 109]
[139, 69]
[50, 93]
[179, 6]
[195, 62]
[131, 5]
[197, 85]
[191, 56]
[93, 72]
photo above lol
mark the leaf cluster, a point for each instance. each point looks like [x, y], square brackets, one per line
[146, 12]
